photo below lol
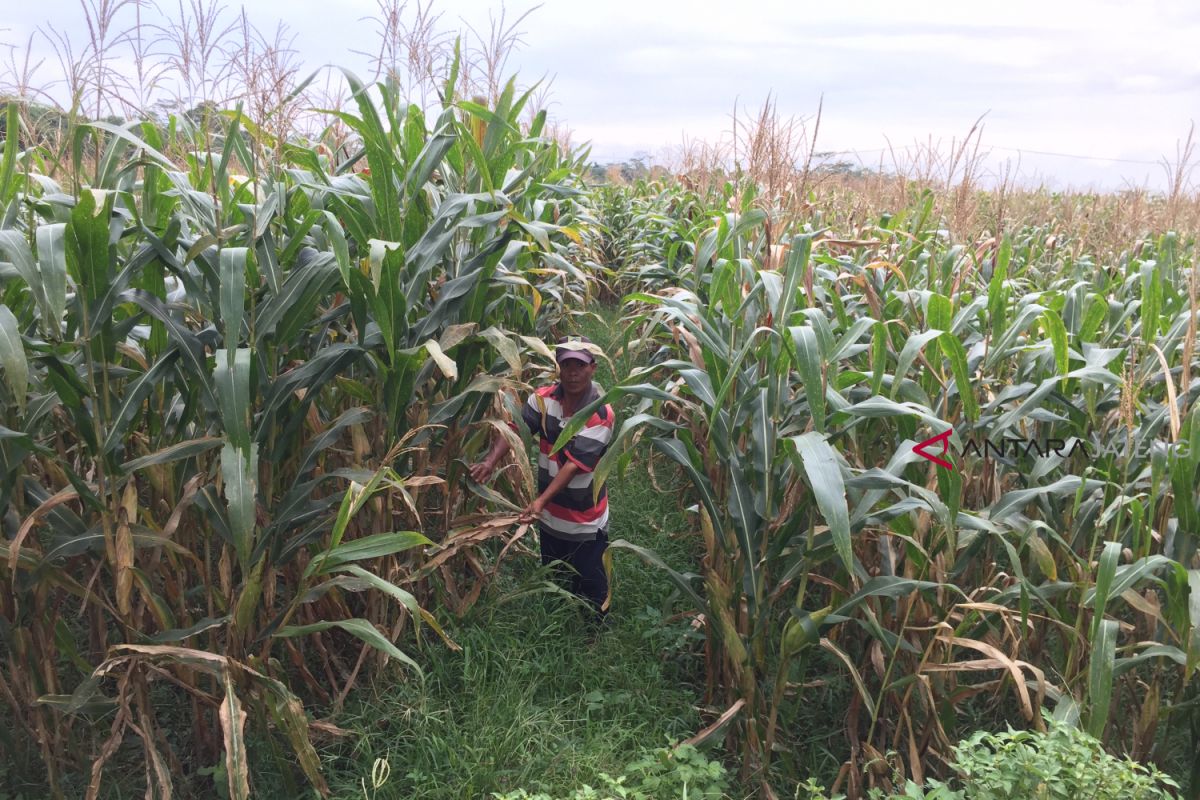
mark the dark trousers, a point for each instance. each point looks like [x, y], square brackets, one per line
[584, 572]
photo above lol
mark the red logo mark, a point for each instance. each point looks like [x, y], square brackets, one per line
[919, 449]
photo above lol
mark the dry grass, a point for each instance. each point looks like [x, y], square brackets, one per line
[779, 155]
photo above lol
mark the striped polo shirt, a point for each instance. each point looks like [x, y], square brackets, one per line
[571, 513]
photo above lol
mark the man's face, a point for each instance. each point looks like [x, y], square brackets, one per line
[576, 376]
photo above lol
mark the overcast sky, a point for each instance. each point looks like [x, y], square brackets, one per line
[1116, 82]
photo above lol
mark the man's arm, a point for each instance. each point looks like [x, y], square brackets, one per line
[483, 470]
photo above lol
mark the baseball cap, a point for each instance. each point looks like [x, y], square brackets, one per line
[580, 348]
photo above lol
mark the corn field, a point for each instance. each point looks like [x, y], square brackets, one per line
[242, 374]
[1047, 561]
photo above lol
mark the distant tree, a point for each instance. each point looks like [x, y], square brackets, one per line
[631, 170]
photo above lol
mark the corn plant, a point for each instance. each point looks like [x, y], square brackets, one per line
[796, 398]
[230, 386]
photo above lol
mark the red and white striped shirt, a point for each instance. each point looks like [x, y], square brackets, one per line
[571, 513]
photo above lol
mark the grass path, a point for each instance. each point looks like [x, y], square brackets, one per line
[530, 702]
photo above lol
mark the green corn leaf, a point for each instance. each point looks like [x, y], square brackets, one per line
[87, 251]
[1017, 500]
[579, 419]
[884, 407]
[427, 161]
[746, 522]
[683, 580]
[809, 363]
[358, 628]
[491, 496]
[799, 253]
[128, 136]
[701, 386]
[285, 314]
[1093, 318]
[1152, 301]
[889, 586]
[684, 456]
[1003, 347]
[629, 428]
[939, 312]
[879, 341]
[763, 441]
[998, 291]
[956, 354]
[818, 460]
[175, 452]
[373, 546]
[351, 416]
[1123, 577]
[14, 248]
[8, 162]
[179, 634]
[1154, 651]
[1030, 404]
[231, 376]
[1105, 576]
[190, 348]
[94, 541]
[337, 242]
[850, 338]
[233, 292]
[908, 354]
[1100, 675]
[355, 498]
[733, 370]
[329, 362]
[1057, 331]
[52, 270]
[820, 323]
[387, 587]
[12, 357]
[474, 154]
[1150, 654]
[134, 395]
[239, 471]
[110, 161]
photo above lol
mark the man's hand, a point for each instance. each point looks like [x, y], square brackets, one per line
[481, 472]
[532, 512]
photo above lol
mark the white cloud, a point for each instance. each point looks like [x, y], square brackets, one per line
[1100, 78]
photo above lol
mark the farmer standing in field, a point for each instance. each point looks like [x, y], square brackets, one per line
[573, 526]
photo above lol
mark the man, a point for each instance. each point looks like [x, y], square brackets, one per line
[573, 526]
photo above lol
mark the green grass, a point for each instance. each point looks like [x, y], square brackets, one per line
[529, 702]
[533, 700]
